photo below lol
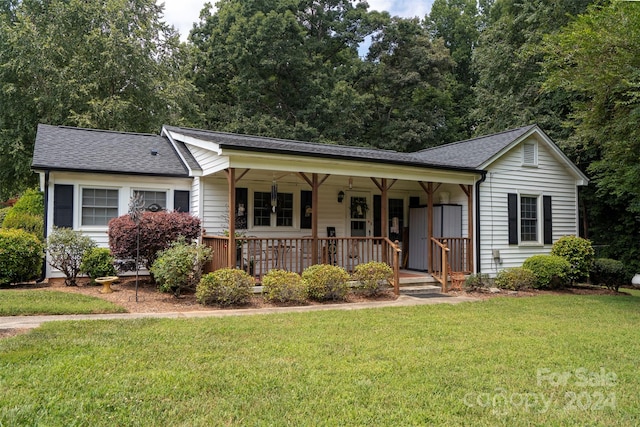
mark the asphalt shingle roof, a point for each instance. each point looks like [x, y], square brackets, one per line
[468, 154]
[471, 153]
[260, 143]
[78, 149]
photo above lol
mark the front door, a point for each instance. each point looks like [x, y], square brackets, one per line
[358, 213]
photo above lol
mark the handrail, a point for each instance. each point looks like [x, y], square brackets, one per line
[444, 256]
[394, 246]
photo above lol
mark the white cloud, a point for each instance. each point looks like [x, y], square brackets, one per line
[182, 14]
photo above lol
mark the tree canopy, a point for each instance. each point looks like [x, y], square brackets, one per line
[109, 64]
[334, 71]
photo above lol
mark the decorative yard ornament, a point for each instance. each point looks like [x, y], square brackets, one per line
[136, 206]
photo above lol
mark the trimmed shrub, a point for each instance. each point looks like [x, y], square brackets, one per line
[27, 214]
[283, 286]
[608, 272]
[66, 249]
[3, 214]
[157, 231]
[326, 282]
[551, 271]
[515, 279]
[578, 252]
[373, 276]
[98, 262]
[21, 256]
[31, 202]
[225, 287]
[34, 224]
[179, 267]
[477, 282]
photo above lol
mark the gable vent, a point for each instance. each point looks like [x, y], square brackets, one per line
[529, 154]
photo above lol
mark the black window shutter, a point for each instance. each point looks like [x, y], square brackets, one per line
[512, 207]
[181, 200]
[306, 199]
[548, 224]
[63, 205]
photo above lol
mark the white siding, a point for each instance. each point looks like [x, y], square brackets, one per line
[209, 161]
[507, 175]
[123, 183]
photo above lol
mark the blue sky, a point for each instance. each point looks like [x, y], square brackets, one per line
[182, 14]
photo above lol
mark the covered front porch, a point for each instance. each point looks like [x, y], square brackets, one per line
[297, 219]
[269, 203]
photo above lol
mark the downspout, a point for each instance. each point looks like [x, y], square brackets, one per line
[478, 257]
[43, 274]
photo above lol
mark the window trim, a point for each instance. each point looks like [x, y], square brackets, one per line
[273, 220]
[81, 205]
[538, 218]
[544, 226]
[154, 190]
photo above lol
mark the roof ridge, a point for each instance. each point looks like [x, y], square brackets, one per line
[271, 138]
[121, 132]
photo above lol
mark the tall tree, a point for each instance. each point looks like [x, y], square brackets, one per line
[109, 64]
[268, 67]
[410, 84]
[596, 59]
[458, 22]
[507, 59]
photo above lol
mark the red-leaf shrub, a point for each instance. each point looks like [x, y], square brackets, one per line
[157, 231]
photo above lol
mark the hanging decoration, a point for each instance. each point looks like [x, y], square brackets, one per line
[359, 207]
[274, 195]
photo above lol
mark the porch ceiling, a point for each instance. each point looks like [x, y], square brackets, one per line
[274, 163]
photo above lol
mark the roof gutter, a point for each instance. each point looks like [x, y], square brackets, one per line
[478, 257]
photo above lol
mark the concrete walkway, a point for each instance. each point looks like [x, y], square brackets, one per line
[21, 322]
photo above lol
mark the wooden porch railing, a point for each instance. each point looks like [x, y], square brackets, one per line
[258, 255]
[449, 255]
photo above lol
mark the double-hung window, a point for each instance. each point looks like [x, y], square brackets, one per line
[153, 200]
[99, 205]
[263, 209]
[530, 219]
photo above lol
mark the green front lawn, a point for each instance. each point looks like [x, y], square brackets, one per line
[32, 302]
[547, 360]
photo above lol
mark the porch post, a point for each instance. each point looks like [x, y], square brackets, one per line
[430, 222]
[314, 217]
[231, 255]
[468, 190]
[384, 213]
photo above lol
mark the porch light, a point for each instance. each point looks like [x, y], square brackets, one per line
[340, 196]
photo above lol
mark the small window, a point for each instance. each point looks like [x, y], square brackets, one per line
[284, 212]
[99, 206]
[528, 219]
[529, 154]
[153, 200]
[261, 208]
